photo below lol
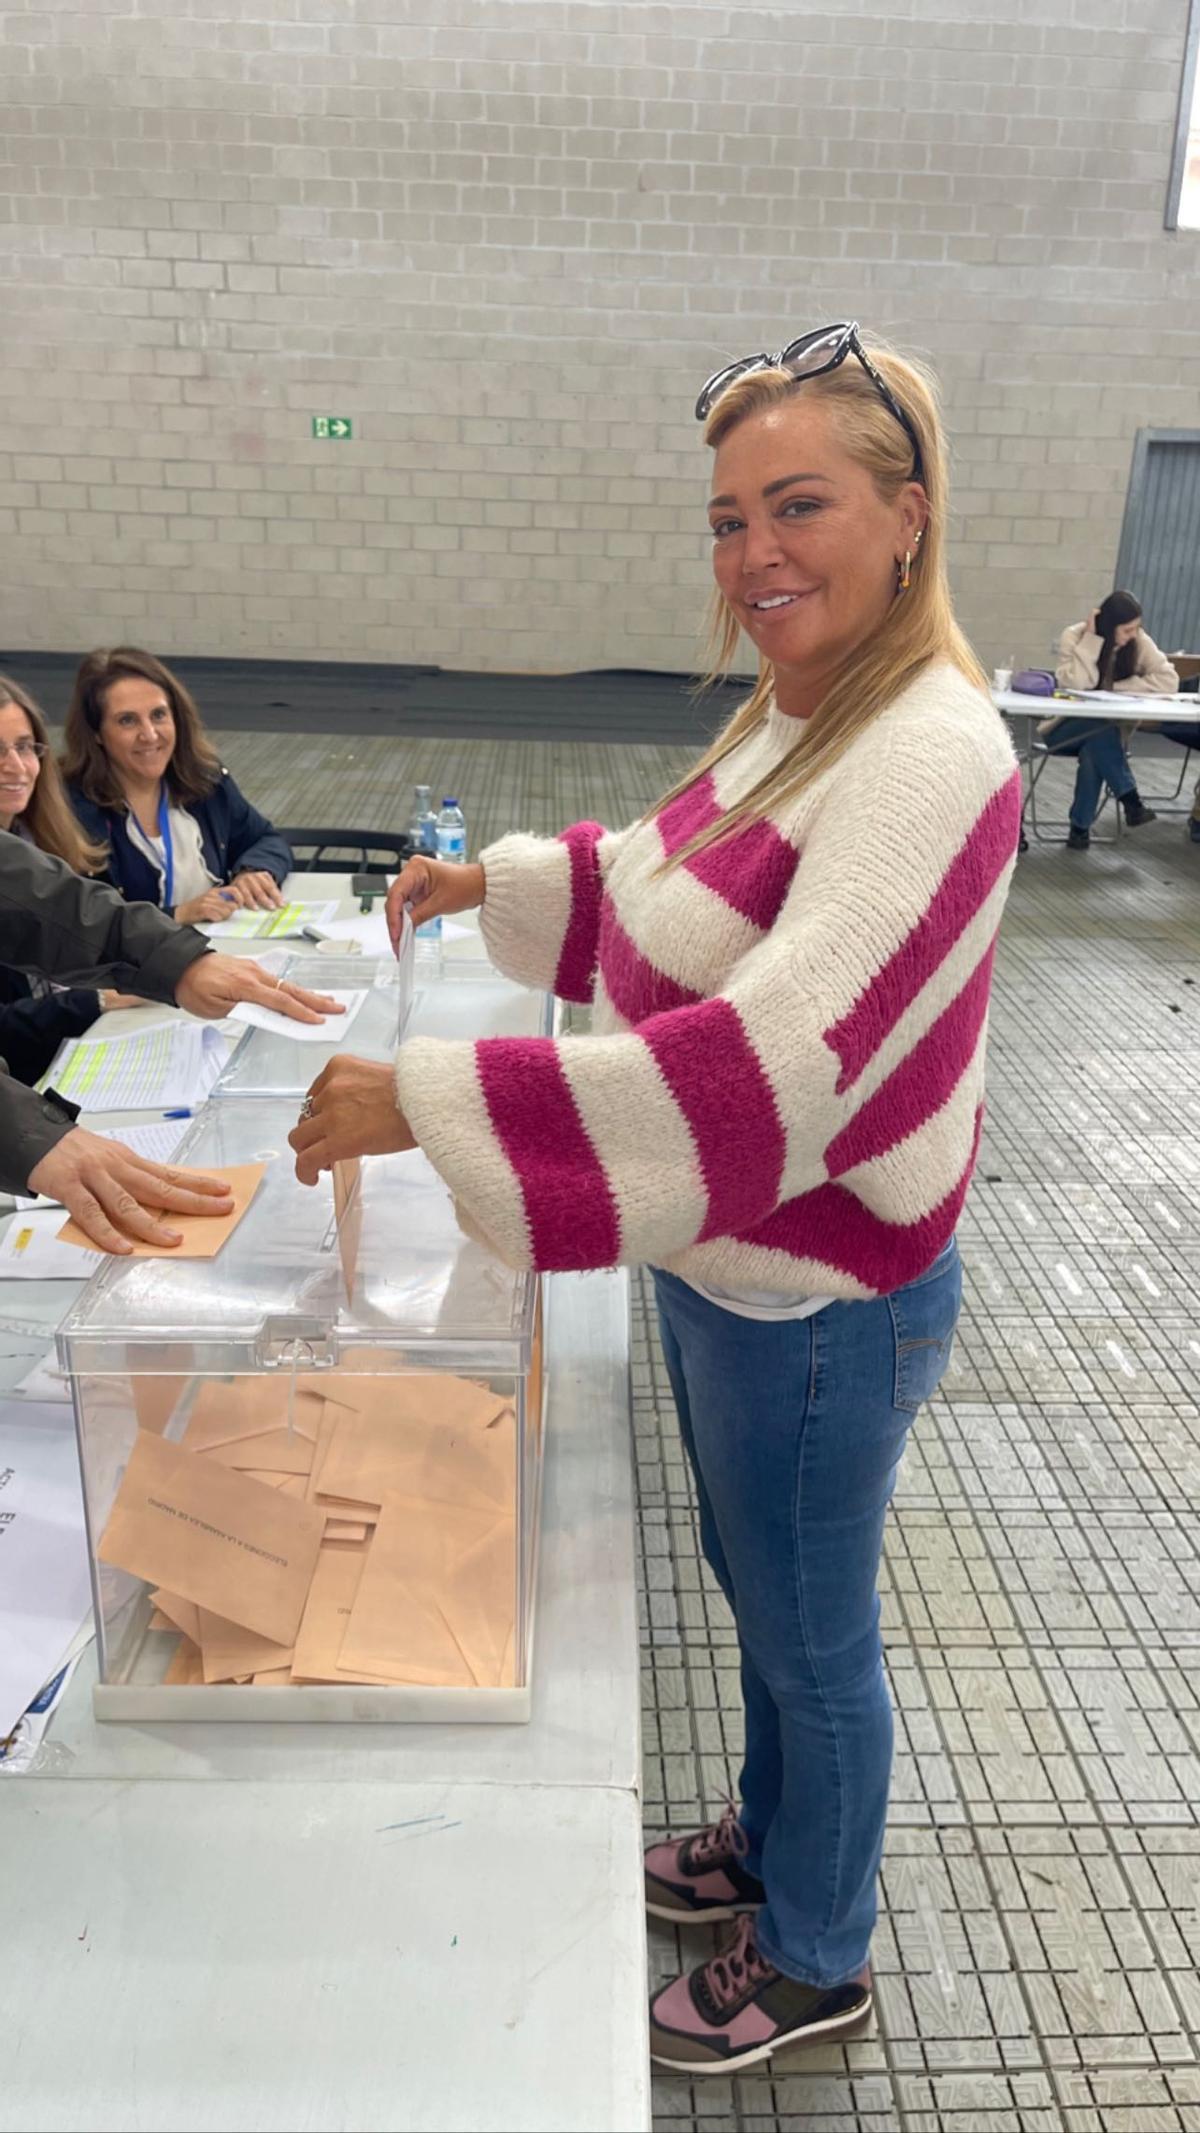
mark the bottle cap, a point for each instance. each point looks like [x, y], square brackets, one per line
[449, 801]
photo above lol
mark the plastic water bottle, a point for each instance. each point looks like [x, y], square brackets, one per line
[452, 834]
[422, 828]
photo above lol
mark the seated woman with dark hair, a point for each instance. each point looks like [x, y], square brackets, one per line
[1110, 650]
[35, 1018]
[145, 781]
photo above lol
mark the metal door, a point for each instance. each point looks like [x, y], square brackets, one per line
[1159, 558]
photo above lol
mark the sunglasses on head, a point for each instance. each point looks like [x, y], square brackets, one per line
[809, 357]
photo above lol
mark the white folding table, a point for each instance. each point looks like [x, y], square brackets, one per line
[1105, 708]
[254, 1928]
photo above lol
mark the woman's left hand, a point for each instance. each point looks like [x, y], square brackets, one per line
[256, 890]
[350, 1110]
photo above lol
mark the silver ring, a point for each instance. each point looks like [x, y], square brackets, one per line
[306, 1108]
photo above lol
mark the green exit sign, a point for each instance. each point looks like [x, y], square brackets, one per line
[332, 426]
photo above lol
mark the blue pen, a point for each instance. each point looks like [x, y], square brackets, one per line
[185, 1113]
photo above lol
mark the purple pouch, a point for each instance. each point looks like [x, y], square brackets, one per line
[1034, 681]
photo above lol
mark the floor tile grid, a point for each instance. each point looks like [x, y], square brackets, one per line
[1041, 1918]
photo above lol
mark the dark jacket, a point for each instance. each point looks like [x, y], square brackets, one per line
[33, 1025]
[235, 838]
[54, 922]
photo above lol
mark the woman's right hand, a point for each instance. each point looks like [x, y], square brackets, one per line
[207, 909]
[432, 888]
[1089, 627]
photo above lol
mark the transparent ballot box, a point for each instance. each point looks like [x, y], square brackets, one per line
[311, 1462]
[387, 1004]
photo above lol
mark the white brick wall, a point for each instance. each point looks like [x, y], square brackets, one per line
[509, 238]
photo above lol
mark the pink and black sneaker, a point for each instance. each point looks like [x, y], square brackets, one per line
[701, 1878]
[737, 2009]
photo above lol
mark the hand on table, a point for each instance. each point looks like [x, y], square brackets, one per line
[207, 909]
[255, 890]
[432, 888]
[111, 1001]
[214, 984]
[350, 1110]
[115, 1195]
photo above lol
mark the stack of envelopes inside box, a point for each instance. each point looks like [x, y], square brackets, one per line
[329, 1527]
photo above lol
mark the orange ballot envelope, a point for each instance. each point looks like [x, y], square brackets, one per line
[234, 1546]
[445, 1438]
[203, 1235]
[437, 1598]
[347, 1208]
[227, 1410]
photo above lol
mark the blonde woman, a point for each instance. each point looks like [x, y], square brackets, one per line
[789, 961]
[34, 1017]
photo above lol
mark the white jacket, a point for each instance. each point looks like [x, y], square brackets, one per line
[1078, 667]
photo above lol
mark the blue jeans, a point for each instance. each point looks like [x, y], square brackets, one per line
[1102, 761]
[795, 1431]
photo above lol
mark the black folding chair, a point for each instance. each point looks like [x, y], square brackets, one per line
[353, 851]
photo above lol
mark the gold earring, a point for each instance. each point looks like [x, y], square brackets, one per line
[906, 571]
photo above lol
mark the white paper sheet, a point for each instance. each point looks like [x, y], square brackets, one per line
[369, 930]
[271, 925]
[156, 1141]
[329, 1032]
[149, 1070]
[44, 1382]
[45, 1592]
[31, 1250]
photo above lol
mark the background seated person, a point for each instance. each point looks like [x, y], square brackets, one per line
[35, 1018]
[145, 780]
[1109, 651]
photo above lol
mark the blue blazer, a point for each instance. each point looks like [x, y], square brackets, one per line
[234, 837]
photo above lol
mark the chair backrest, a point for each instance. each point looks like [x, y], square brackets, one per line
[344, 851]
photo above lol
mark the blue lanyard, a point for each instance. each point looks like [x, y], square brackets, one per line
[164, 831]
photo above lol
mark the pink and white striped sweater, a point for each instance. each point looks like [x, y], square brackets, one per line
[784, 1085]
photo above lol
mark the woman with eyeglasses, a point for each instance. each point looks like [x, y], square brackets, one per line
[148, 787]
[34, 1017]
[779, 1107]
[1110, 650]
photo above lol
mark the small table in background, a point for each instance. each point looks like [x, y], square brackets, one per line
[1104, 709]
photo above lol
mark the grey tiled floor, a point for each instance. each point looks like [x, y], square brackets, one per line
[1037, 1953]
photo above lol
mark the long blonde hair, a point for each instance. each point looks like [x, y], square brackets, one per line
[919, 626]
[48, 815]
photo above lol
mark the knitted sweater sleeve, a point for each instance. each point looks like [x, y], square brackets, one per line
[1154, 674]
[541, 912]
[1079, 650]
[839, 1035]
